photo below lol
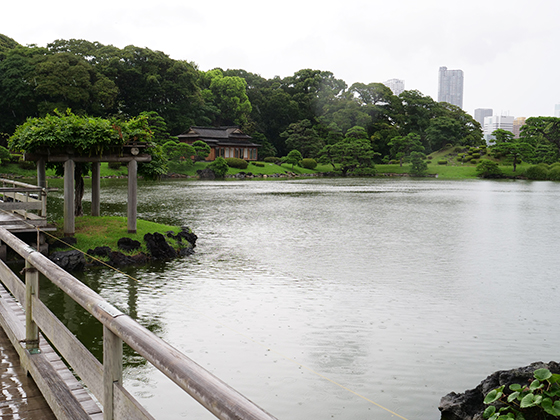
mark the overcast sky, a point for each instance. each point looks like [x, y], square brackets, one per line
[508, 50]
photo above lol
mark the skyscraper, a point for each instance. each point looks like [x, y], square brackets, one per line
[450, 86]
[480, 113]
[557, 110]
[396, 85]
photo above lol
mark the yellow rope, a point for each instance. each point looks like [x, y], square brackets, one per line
[290, 359]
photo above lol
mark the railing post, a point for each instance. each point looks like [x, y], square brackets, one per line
[31, 289]
[112, 369]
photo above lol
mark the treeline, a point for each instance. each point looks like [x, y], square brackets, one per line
[305, 112]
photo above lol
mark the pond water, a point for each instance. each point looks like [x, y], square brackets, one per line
[340, 298]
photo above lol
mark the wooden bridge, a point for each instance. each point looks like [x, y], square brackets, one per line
[35, 380]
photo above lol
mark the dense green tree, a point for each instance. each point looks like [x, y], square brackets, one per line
[7, 43]
[293, 158]
[202, 150]
[302, 136]
[537, 129]
[507, 145]
[354, 153]
[488, 169]
[418, 166]
[219, 167]
[402, 146]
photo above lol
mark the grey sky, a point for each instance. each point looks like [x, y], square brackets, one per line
[508, 50]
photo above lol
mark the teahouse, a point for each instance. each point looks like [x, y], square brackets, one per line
[224, 142]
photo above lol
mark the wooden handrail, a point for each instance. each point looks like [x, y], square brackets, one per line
[215, 395]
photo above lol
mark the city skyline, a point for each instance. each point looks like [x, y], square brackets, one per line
[450, 86]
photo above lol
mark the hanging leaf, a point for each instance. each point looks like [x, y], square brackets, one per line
[542, 374]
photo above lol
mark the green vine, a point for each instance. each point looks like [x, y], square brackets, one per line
[539, 400]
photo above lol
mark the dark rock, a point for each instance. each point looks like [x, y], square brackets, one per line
[64, 242]
[470, 405]
[158, 247]
[69, 260]
[128, 244]
[206, 174]
[185, 234]
[100, 251]
[118, 259]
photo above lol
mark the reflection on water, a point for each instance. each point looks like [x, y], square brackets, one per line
[400, 290]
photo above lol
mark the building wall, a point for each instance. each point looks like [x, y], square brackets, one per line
[517, 124]
[450, 86]
[557, 110]
[396, 86]
[495, 122]
[481, 113]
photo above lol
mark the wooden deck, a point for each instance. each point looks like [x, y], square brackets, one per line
[20, 397]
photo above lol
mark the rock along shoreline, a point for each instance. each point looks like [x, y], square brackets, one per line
[157, 245]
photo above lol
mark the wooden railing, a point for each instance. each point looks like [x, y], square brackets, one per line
[104, 380]
[19, 197]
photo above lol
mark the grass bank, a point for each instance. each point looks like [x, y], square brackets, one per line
[91, 232]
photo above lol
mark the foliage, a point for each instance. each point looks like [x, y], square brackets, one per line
[308, 163]
[537, 172]
[202, 150]
[303, 137]
[272, 159]
[219, 167]
[419, 167]
[237, 163]
[293, 158]
[507, 145]
[488, 169]
[353, 153]
[402, 146]
[5, 156]
[538, 400]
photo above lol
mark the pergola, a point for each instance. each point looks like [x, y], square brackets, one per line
[129, 153]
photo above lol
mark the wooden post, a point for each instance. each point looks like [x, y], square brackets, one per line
[69, 225]
[112, 369]
[41, 173]
[31, 289]
[95, 189]
[132, 195]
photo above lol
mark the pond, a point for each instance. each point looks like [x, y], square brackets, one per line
[339, 298]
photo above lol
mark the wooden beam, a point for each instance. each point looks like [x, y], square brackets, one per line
[95, 189]
[132, 195]
[69, 218]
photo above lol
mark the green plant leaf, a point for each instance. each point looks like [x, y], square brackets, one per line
[494, 395]
[515, 387]
[542, 374]
[536, 384]
[550, 407]
[489, 412]
[554, 379]
[511, 397]
[528, 400]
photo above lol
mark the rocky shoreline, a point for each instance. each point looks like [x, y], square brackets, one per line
[470, 404]
[157, 245]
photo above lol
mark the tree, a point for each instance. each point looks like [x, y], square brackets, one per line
[219, 167]
[419, 166]
[488, 169]
[404, 146]
[293, 158]
[507, 145]
[547, 128]
[202, 150]
[303, 137]
[354, 153]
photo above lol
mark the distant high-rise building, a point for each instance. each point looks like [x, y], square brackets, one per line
[481, 113]
[493, 123]
[396, 85]
[517, 124]
[557, 110]
[450, 86]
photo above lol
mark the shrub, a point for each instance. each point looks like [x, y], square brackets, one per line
[430, 157]
[308, 163]
[236, 163]
[220, 167]
[458, 149]
[476, 155]
[114, 165]
[488, 169]
[272, 159]
[473, 161]
[5, 156]
[537, 172]
[26, 164]
[442, 162]
[554, 173]
[259, 164]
